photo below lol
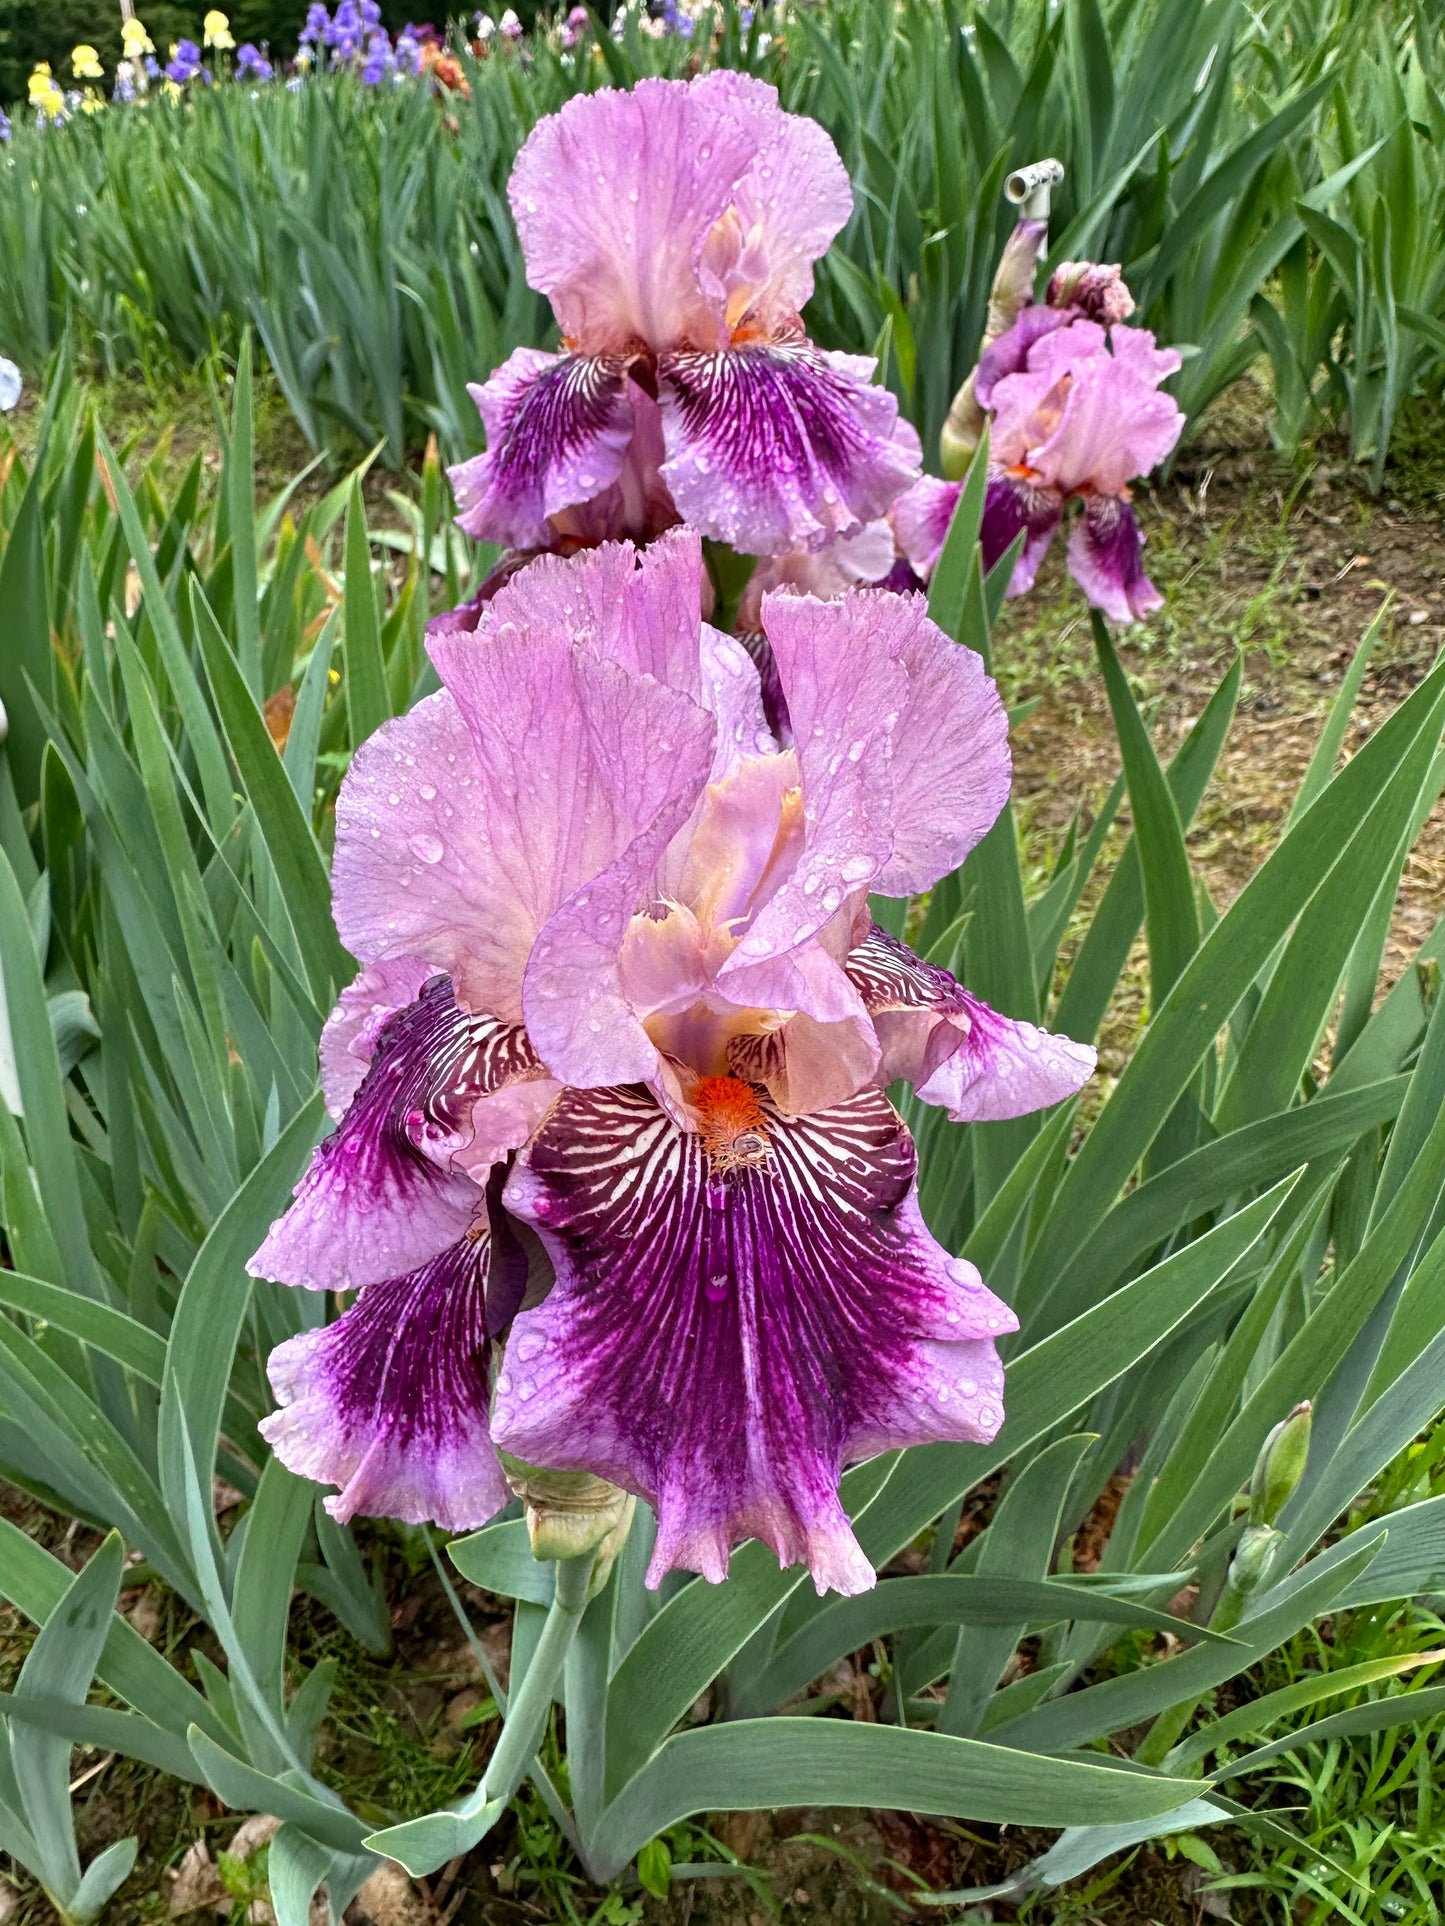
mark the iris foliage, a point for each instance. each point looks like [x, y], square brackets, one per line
[1255, 1217]
[1268, 176]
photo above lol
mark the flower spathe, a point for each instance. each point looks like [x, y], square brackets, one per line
[1077, 415]
[610, 1082]
[674, 229]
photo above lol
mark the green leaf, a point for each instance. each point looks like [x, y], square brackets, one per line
[753, 1764]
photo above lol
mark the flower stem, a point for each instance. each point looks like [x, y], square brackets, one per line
[422, 1845]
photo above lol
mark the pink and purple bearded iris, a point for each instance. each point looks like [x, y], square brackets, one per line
[674, 230]
[610, 1082]
[1077, 414]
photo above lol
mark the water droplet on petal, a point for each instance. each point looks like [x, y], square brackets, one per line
[427, 846]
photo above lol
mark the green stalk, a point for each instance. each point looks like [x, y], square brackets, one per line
[422, 1845]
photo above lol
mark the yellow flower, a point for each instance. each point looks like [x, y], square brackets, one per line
[41, 83]
[93, 102]
[137, 40]
[86, 63]
[217, 30]
[170, 89]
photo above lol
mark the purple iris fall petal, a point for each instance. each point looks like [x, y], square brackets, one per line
[390, 1401]
[779, 446]
[558, 431]
[380, 1197]
[737, 1314]
[954, 1050]
[1106, 559]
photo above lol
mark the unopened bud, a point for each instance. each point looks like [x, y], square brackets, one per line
[1279, 1466]
[1012, 290]
[1253, 1559]
[1096, 291]
[571, 1513]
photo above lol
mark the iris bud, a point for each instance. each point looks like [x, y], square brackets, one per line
[571, 1513]
[1012, 290]
[1280, 1466]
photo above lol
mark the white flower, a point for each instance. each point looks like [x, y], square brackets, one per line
[10, 385]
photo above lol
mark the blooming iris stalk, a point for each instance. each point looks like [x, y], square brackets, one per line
[674, 229]
[610, 1082]
[1077, 414]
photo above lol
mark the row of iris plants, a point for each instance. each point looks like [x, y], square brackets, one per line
[1268, 176]
[686, 1228]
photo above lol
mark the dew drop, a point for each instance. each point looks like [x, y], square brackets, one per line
[427, 846]
[717, 1288]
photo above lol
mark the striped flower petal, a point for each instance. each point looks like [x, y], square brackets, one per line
[390, 1401]
[738, 1312]
[380, 1197]
[954, 1050]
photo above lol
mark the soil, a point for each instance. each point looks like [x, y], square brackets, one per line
[1288, 565]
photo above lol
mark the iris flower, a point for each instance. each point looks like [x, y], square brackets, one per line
[610, 1083]
[1077, 414]
[85, 64]
[216, 31]
[674, 229]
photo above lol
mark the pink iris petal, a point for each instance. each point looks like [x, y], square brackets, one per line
[380, 1197]
[779, 446]
[845, 693]
[558, 431]
[618, 199]
[956, 1051]
[950, 764]
[390, 1401]
[366, 1005]
[807, 1066]
[1106, 560]
[1114, 423]
[724, 1341]
[1009, 355]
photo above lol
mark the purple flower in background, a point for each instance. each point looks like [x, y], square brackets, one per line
[408, 51]
[252, 64]
[317, 30]
[5, 128]
[379, 62]
[185, 63]
[510, 26]
[1077, 415]
[347, 35]
[610, 1082]
[674, 229]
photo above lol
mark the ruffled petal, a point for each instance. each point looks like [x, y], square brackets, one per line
[737, 1314]
[1115, 423]
[558, 431]
[779, 446]
[614, 198]
[390, 1401]
[1106, 559]
[1009, 354]
[956, 1051]
[380, 1197]
[459, 843]
[950, 764]
[413, 873]
[756, 264]
[366, 1005]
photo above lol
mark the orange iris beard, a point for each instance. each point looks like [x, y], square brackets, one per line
[734, 1126]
